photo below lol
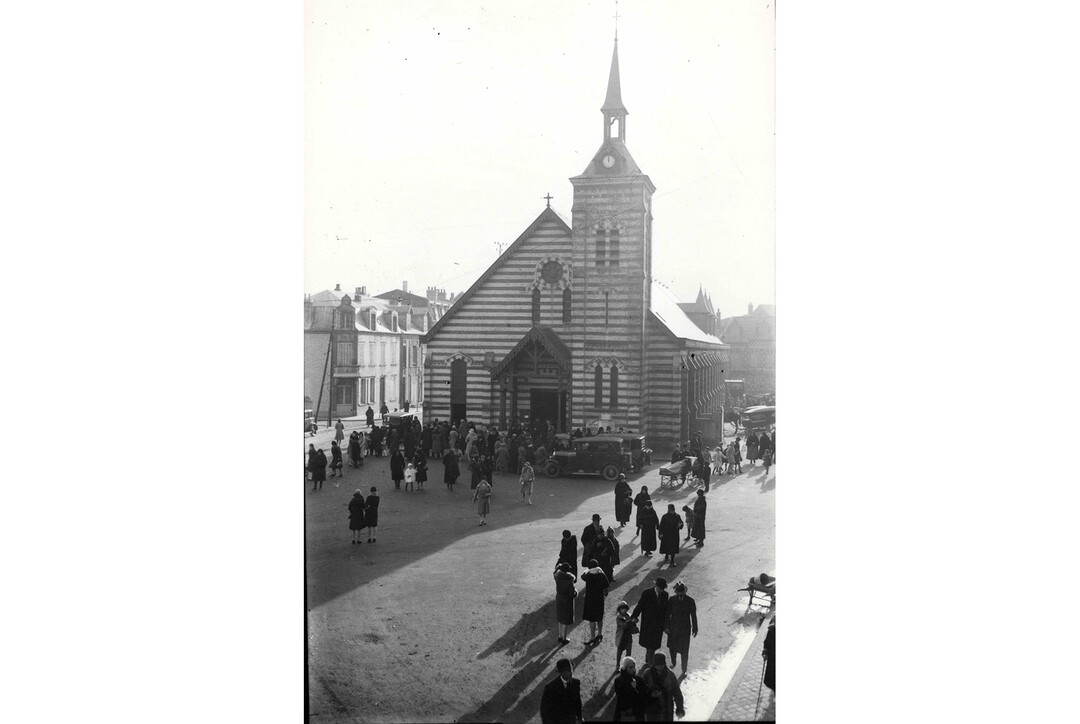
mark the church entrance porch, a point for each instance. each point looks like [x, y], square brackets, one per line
[533, 381]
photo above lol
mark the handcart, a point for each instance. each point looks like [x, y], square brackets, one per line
[674, 475]
[762, 587]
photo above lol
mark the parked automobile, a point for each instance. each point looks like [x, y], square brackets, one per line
[606, 455]
[400, 419]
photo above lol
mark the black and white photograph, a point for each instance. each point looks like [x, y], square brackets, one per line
[539, 361]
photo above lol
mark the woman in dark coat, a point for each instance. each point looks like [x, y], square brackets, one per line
[670, 525]
[752, 447]
[451, 471]
[476, 472]
[768, 651]
[357, 515]
[698, 532]
[420, 463]
[319, 473]
[356, 457]
[596, 585]
[312, 462]
[639, 500]
[568, 551]
[397, 467]
[649, 523]
[371, 514]
[335, 460]
[624, 500]
[604, 555]
[564, 600]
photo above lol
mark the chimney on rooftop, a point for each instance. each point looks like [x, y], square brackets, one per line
[405, 286]
[359, 293]
[432, 294]
[337, 288]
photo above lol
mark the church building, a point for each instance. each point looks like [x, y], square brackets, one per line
[568, 326]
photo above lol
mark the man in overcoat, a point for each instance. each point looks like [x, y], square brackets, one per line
[681, 624]
[592, 531]
[561, 701]
[652, 609]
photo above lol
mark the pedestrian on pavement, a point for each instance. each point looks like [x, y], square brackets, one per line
[766, 460]
[476, 475]
[568, 551]
[718, 458]
[698, 532]
[372, 514]
[335, 460]
[670, 525]
[482, 498]
[397, 468]
[356, 456]
[357, 515]
[370, 416]
[319, 474]
[528, 476]
[450, 468]
[625, 629]
[665, 695]
[649, 523]
[706, 475]
[420, 463]
[384, 411]
[612, 554]
[630, 692]
[596, 586]
[565, 593]
[592, 531]
[561, 700]
[738, 454]
[652, 609]
[624, 500]
[681, 624]
[339, 432]
[640, 500]
[410, 475]
[752, 447]
[688, 515]
[312, 461]
[768, 652]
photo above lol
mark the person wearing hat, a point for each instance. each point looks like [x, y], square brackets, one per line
[681, 624]
[631, 696]
[357, 515]
[665, 699]
[592, 531]
[561, 701]
[624, 500]
[698, 532]
[528, 477]
[565, 593]
[640, 500]
[649, 523]
[596, 586]
[652, 609]
[371, 514]
[568, 551]
[670, 525]
[624, 633]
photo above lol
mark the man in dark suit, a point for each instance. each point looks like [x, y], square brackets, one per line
[652, 608]
[561, 703]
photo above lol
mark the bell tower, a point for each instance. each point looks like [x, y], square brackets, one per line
[612, 258]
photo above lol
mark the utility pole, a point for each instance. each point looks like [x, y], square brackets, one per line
[322, 383]
[330, 407]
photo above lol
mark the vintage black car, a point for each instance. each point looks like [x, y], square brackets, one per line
[606, 455]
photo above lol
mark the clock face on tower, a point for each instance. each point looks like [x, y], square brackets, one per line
[551, 272]
[609, 161]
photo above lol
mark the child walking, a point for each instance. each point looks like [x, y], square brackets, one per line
[625, 628]
[688, 516]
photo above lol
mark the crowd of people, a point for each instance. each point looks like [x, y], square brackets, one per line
[486, 453]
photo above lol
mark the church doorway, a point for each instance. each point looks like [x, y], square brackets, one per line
[544, 405]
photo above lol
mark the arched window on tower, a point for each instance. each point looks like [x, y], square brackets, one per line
[614, 385]
[566, 305]
[536, 306]
[613, 247]
[598, 381]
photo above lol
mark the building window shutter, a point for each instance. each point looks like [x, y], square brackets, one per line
[566, 306]
[598, 380]
[536, 306]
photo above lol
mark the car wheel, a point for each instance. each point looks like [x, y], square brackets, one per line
[611, 471]
[551, 469]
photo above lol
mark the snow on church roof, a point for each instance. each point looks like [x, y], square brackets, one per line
[665, 307]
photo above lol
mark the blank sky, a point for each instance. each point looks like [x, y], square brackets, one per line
[434, 129]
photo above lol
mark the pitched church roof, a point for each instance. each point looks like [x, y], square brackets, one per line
[665, 307]
[548, 340]
[547, 214]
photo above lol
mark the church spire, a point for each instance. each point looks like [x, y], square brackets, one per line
[613, 108]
